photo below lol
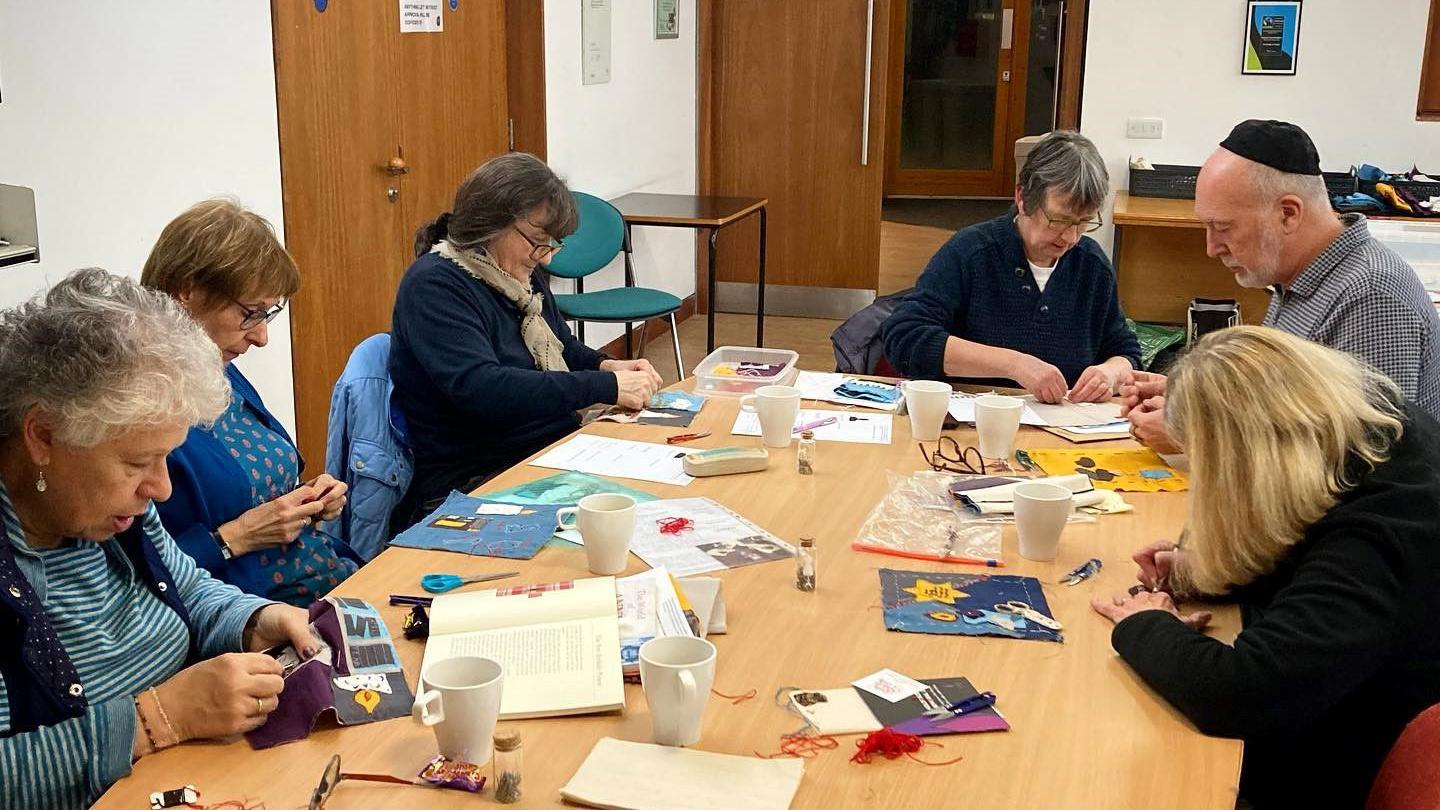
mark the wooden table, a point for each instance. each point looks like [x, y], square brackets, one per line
[1160, 262]
[701, 213]
[1087, 733]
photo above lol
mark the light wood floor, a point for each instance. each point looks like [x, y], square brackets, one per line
[904, 251]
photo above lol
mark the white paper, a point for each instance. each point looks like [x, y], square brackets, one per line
[642, 776]
[1118, 427]
[499, 509]
[1038, 414]
[821, 386]
[595, 41]
[889, 684]
[718, 538]
[1068, 414]
[422, 16]
[621, 458]
[860, 428]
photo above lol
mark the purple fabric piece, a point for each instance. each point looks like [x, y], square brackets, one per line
[964, 724]
[308, 694]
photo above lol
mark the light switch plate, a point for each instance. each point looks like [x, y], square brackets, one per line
[1145, 128]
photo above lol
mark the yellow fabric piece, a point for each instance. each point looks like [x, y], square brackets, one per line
[1125, 468]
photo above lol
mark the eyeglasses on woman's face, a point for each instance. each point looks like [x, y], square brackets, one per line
[252, 317]
[1059, 225]
[540, 251]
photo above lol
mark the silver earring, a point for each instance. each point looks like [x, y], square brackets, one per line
[40, 485]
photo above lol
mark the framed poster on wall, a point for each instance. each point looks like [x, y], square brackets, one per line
[1272, 37]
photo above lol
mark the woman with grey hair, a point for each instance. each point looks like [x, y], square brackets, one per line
[115, 644]
[1026, 297]
[485, 370]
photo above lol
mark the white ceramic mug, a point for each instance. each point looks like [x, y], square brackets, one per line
[778, 407]
[997, 420]
[460, 699]
[606, 522]
[926, 401]
[676, 673]
[1041, 510]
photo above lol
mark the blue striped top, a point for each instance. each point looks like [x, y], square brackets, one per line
[121, 639]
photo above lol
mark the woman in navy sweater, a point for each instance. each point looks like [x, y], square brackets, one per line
[1025, 297]
[485, 370]
[239, 508]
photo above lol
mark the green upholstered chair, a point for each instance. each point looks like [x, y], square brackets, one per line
[601, 236]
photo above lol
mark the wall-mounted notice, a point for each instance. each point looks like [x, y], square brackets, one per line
[595, 41]
[667, 22]
[421, 16]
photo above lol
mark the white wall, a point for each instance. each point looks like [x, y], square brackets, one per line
[1354, 92]
[120, 115]
[636, 133]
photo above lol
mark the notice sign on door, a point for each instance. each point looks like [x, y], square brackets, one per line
[421, 16]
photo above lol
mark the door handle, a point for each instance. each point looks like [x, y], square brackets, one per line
[865, 93]
[397, 166]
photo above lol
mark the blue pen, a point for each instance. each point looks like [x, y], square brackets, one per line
[984, 700]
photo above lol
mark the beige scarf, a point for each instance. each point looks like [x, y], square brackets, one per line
[539, 338]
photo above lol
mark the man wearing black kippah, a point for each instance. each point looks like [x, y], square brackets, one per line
[1267, 216]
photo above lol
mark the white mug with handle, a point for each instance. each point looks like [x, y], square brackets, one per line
[460, 699]
[778, 406]
[676, 673]
[606, 522]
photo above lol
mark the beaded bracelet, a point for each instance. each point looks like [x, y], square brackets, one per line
[163, 716]
[145, 725]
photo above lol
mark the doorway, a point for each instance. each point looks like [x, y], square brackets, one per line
[969, 77]
[377, 128]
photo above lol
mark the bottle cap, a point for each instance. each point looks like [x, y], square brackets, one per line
[807, 542]
[507, 740]
[807, 435]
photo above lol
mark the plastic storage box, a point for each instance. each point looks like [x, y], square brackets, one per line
[710, 378]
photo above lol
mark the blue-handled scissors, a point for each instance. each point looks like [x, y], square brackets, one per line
[442, 583]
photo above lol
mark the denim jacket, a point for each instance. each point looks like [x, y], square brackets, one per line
[366, 447]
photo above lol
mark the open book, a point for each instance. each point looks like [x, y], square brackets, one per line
[559, 644]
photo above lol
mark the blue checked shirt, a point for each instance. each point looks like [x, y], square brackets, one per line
[1359, 297]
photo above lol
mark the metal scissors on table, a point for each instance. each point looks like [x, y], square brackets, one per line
[986, 617]
[1023, 610]
[442, 583]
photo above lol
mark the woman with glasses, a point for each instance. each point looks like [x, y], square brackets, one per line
[1026, 297]
[485, 370]
[239, 508]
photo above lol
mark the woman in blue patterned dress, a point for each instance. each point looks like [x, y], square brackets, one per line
[239, 507]
[113, 643]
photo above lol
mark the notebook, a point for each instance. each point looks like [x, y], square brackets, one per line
[559, 644]
[641, 776]
[907, 716]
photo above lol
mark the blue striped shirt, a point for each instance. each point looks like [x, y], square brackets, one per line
[121, 639]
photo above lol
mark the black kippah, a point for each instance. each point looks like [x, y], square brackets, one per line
[1277, 144]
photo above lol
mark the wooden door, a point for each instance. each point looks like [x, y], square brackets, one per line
[782, 102]
[453, 108]
[956, 77]
[353, 95]
[337, 77]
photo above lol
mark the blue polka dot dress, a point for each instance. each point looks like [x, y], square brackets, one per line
[308, 568]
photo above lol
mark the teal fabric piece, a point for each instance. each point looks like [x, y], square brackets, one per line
[617, 304]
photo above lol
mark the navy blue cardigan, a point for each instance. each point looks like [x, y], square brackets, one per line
[210, 488]
[979, 287]
[40, 680]
[466, 383]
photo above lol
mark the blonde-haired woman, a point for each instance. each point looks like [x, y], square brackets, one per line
[1315, 505]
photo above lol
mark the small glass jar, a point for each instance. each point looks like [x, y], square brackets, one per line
[805, 458]
[507, 767]
[805, 565]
